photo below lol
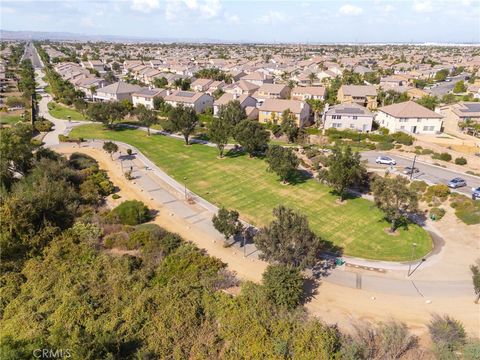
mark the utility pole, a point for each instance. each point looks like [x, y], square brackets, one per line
[413, 166]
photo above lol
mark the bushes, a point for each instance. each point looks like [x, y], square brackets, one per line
[64, 138]
[466, 209]
[442, 156]
[437, 213]
[461, 161]
[446, 332]
[438, 192]
[43, 125]
[131, 212]
[283, 285]
[81, 161]
[418, 186]
[403, 138]
[385, 146]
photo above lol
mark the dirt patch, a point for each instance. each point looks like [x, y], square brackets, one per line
[388, 231]
[340, 202]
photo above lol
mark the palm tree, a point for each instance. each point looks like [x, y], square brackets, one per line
[317, 107]
[312, 77]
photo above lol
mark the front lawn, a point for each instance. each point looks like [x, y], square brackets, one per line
[9, 119]
[244, 184]
[62, 112]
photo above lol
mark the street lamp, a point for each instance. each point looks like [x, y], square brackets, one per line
[185, 186]
[414, 245]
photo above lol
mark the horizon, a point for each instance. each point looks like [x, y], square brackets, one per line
[282, 22]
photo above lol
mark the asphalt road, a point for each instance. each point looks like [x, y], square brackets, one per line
[429, 173]
[445, 87]
[31, 53]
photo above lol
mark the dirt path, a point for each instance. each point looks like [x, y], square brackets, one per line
[333, 303]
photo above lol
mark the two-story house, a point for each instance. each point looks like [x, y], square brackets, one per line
[364, 95]
[348, 116]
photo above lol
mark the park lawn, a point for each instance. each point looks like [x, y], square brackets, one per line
[62, 112]
[9, 119]
[245, 184]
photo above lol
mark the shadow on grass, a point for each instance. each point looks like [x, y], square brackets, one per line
[348, 196]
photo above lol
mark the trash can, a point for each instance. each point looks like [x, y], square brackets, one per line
[339, 262]
[432, 217]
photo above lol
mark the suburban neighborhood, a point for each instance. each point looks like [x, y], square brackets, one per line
[199, 198]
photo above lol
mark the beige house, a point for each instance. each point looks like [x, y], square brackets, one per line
[456, 113]
[245, 101]
[272, 91]
[409, 117]
[241, 88]
[258, 78]
[348, 116]
[145, 97]
[197, 100]
[304, 93]
[201, 85]
[271, 111]
[364, 95]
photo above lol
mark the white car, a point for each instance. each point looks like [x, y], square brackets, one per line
[385, 160]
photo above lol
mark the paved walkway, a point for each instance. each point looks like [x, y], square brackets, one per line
[170, 193]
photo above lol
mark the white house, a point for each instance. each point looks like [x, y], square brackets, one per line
[199, 101]
[348, 116]
[116, 92]
[409, 117]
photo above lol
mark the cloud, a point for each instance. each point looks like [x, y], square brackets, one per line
[387, 9]
[232, 18]
[422, 6]
[145, 6]
[87, 21]
[350, 10]
[272, 17]
[178, 9]
[8, 10]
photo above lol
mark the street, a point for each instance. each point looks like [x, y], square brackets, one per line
[445, 87]
[31, 53]
[429, 173]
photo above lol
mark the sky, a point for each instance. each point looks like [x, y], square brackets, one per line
[320, 21]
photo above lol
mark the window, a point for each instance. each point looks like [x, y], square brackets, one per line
[355, 117]
[336, 125]
[352, 126]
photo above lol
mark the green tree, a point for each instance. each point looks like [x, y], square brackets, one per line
[251, 136]
[282, 161]
[430, 102]
[395, 198]
[99, 111]
[460, 87]
[220, 131]
[227, 222]
[446, 332]
[183, 120]
[110, 147]
[147, 117]
[317, 107]
[289, 126]
[161, 82]
[476, 279]
[16, 149]
[131, 212]
[345, 170]
[288, 239]
[283, 285]
[441, 75]
[232, 112]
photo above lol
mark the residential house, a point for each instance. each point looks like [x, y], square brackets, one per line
[201, 85]
[258, 78]
[116, 92]
[145, 97]
[199, 101]
[271, 111]
[241, 87]
[364, 95]
[308, 92]
[409, 117]
[245, 101]
[272, 91]
[460, 112]
[348, 116]
[89, 85]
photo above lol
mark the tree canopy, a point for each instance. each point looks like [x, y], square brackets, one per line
[183, 120]
[282, 161]
[251, 136]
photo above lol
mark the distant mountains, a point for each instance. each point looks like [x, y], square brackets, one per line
[68, 36]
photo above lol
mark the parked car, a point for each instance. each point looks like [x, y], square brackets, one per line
[385, 160]
[476, 193]
[409, 170]
[456, 183]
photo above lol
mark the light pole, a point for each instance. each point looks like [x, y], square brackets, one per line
[413, 166]
[185, 187]
[414, 245]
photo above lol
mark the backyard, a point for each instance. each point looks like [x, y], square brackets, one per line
[244, 184]
[62, 112]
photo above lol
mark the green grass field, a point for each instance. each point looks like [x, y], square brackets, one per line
[9, 119]
[62, 112]
[245, 184]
